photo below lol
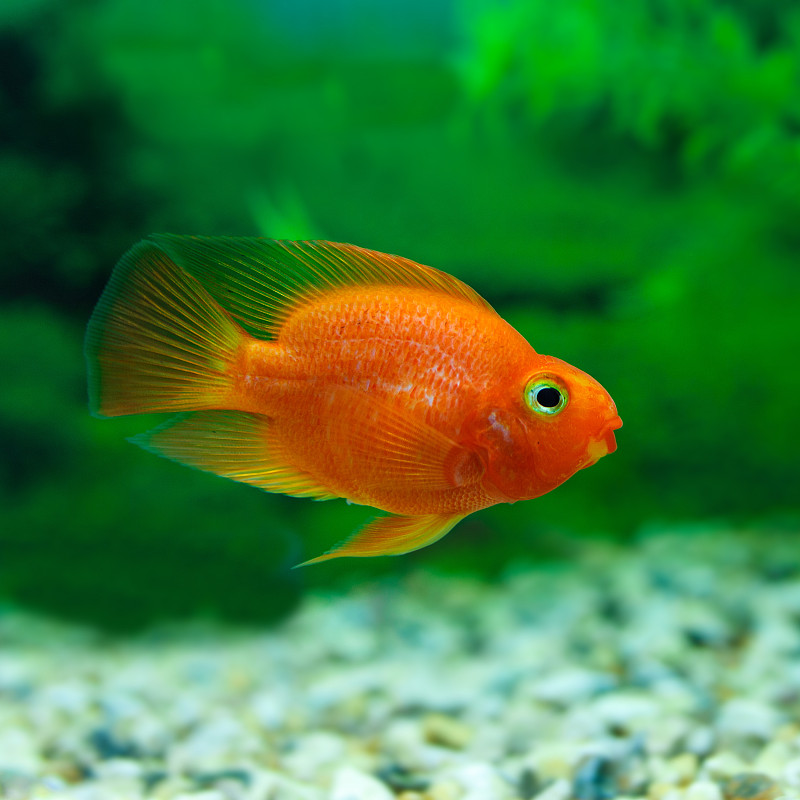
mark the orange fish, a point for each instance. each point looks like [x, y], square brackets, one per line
[325, 370]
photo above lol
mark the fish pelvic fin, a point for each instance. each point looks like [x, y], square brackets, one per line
[157, 341]
[392, 536]
[234, 444]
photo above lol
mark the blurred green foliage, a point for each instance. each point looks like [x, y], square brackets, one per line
[622, 181]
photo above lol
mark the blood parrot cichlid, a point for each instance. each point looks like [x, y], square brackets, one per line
[326, 370]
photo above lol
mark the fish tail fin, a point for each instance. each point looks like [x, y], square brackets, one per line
[157, 341]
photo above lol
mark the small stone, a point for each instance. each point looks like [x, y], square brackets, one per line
[446, 731]
[270, 784]
[658, 790]
[207, 780]
[315, 754]
[554, 761]
[791, 773]
[109, 746]
[787, 733]
[270, 709]
[560, 789]
[19, 751]
[67, 771]
[664, 732]
[170, 787]
[50, 782]
[569, 686]
[683, 767]
[703, 790]
[700, 741]
[481, 781]
[595, 779]
[742, 717]
[724, 765]
[772, 760]
[15, 784]
[152, 778]
[400, 780]
[404, 744]
[445, 790]
[352, 784]
[750, 786]
[118, 768]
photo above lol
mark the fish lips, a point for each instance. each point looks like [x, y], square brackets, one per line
[601, 445]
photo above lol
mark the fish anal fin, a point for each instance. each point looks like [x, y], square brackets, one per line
[235, 445]
[392, 536]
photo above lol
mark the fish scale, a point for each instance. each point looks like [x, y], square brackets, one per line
[394, 343]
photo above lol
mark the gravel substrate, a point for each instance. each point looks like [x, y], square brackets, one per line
[667, 670]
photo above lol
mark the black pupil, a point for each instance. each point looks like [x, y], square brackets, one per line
[548, 397]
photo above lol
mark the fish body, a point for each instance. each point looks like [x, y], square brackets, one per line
[326, 370]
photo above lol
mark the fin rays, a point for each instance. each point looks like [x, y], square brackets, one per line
[232, 444]
[157, 341]
[392, 536]
[383, 436]
[260, 281]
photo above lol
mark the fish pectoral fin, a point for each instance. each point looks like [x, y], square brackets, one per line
[392, 536]
[233, 444]
[388, 442]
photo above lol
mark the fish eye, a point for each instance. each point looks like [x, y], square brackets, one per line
[545, 396]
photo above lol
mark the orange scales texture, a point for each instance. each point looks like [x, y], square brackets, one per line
[404, 349]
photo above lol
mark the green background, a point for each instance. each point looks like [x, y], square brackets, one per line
[620, 179]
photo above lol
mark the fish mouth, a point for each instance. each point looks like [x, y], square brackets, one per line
[603, 444]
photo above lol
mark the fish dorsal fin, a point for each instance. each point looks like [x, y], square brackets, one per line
[260, 281]
[234, 444]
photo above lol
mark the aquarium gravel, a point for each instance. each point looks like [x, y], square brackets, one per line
[665, 669]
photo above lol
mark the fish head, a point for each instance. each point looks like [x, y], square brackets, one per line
[570, 421]
[555, 421]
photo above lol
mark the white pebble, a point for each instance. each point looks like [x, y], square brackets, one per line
[570, 686]
[791, 773]
[118, 768]
[351, 784]
[703, 790]
[742, 717]
[481, 782]
[19, 751]
[723, 765]
[314, 754]
[700, 741]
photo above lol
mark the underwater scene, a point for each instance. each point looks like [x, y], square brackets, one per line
[399, 400]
